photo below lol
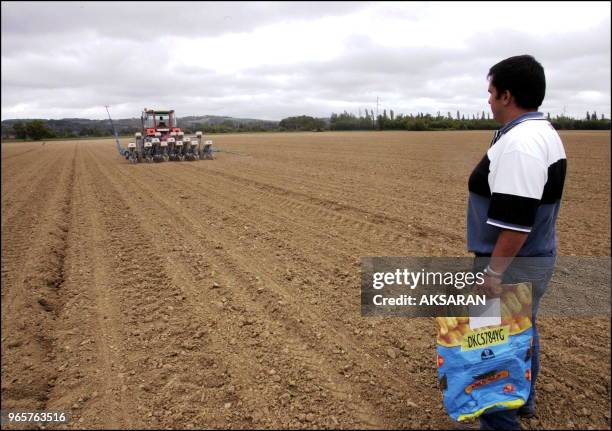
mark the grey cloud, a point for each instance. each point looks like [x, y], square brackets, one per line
[574, 63]
[65, 59]
[137, 20]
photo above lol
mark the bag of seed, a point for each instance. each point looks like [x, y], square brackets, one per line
[486, 369]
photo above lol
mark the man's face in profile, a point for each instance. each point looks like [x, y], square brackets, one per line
[495, 103]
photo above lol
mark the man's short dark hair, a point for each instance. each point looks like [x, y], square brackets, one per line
[523, 77]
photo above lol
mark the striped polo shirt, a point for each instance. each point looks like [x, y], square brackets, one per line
[518, 186]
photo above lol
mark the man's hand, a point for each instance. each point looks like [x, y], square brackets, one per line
[491, 287]
[508, 244]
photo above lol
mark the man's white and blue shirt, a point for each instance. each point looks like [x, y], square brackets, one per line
[518, 185]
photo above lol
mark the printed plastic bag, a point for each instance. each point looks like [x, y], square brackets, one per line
[487, 369]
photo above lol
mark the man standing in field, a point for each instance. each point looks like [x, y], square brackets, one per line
[514, 197]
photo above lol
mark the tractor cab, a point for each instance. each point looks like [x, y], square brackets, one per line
[161, 140]
[162, 122]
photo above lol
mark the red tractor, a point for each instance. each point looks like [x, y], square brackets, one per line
[161, 140]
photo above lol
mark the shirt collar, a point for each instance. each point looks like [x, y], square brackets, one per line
[524, 117]
[520, 119]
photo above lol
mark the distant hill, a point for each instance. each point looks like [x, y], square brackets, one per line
[215, 120]
[69, 127]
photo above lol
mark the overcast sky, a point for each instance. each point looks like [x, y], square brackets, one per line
[273, 60]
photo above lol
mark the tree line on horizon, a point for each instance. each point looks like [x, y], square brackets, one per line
[43, 129]
[67, 129]
[428, 122]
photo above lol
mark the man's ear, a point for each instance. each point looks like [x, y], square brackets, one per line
[506, 98]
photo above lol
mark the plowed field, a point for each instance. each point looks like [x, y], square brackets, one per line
[225, 293]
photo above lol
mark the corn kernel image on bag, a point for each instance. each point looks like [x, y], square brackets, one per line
[487, 369]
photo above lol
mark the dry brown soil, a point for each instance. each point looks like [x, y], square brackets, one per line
[225, 293]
